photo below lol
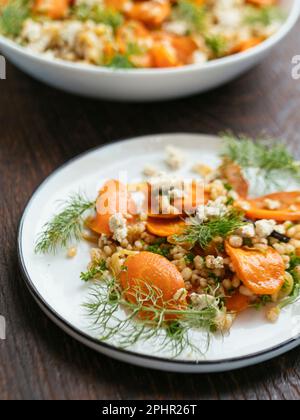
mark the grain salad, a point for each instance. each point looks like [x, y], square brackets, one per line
[139, 34]
[193, 253]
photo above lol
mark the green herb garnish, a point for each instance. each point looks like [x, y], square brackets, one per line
[217, 44]
[126, 327]
[65, 227]
[94, 271]
[123, 61]
[194, 15]
[263, 15]
[12, 17]
[157, 249]
[99, 15]
[265, 156]
[204, 233]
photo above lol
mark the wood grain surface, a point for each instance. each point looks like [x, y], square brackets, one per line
[41, 128]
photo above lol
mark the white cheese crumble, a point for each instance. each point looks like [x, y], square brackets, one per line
[118, 226]
[214, 262]
[150, 170]
[246, 231]
[174, 157]
[201, 302]
[212, 209]
[264, 228]
[272, 204]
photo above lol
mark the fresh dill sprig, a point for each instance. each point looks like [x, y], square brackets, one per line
[98, 14]
[65, 226]
[123, 60]
[263, 15]
[157, 249]
[13, 15]
[203, 233]
[194, 15]
[128, 327]
[217, 44]
[94, 271]
[269, 158]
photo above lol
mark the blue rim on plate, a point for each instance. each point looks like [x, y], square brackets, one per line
[139, 359]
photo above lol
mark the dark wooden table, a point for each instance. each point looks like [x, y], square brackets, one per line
[41, 128]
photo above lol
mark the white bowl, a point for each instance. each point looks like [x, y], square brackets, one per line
[144, 84]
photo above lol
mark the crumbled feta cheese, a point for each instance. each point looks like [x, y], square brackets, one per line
[264, 228]
[199, 57]
[214, 262]
[212, 209]
[200, 302]
[246, 231]
[118, 226]
[163, 183]
[150, 170]
[217, 189]
[177, 27]
[272, 204]
[293, 207]
[174, 158]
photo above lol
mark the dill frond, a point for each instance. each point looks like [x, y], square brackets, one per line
[13, 15]
[65, 227]
[128, 327]
[217, 44]
[94, 271]
[263, 15]
[192, 14]
[269, 158]
[98, 14]
[204, 233]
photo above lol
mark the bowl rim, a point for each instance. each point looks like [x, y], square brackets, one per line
[274, 39]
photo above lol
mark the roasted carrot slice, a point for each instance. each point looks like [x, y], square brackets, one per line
[165, 228]
[289, 207]
[262, 272]
[149, 269]
[237, 302]
[113, 198]
[54, 9]
[233, 174]
[184, 47]
[262, 3]
[247, 44]
[151, 12]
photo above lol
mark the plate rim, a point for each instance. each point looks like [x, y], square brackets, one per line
[92, 342]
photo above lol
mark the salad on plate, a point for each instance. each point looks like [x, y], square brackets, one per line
[171, 254]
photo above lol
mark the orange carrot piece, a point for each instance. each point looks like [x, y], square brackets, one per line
[237, 302]
[149, 269]
[151, 12]
[55, 9]
[165, 228]
[113, 198]
[257, 208]
[262, 272]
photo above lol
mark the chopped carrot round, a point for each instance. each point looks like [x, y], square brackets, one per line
[262, 272]
[165, 228]
[113, 198]
[237, 302]
[55, 9]
[285, 212]
[233, 174]
[149, 269]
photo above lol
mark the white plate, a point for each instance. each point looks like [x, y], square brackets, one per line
[54, 280]
[144, 84]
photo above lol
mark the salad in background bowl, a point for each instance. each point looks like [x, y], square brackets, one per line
[148, 50]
